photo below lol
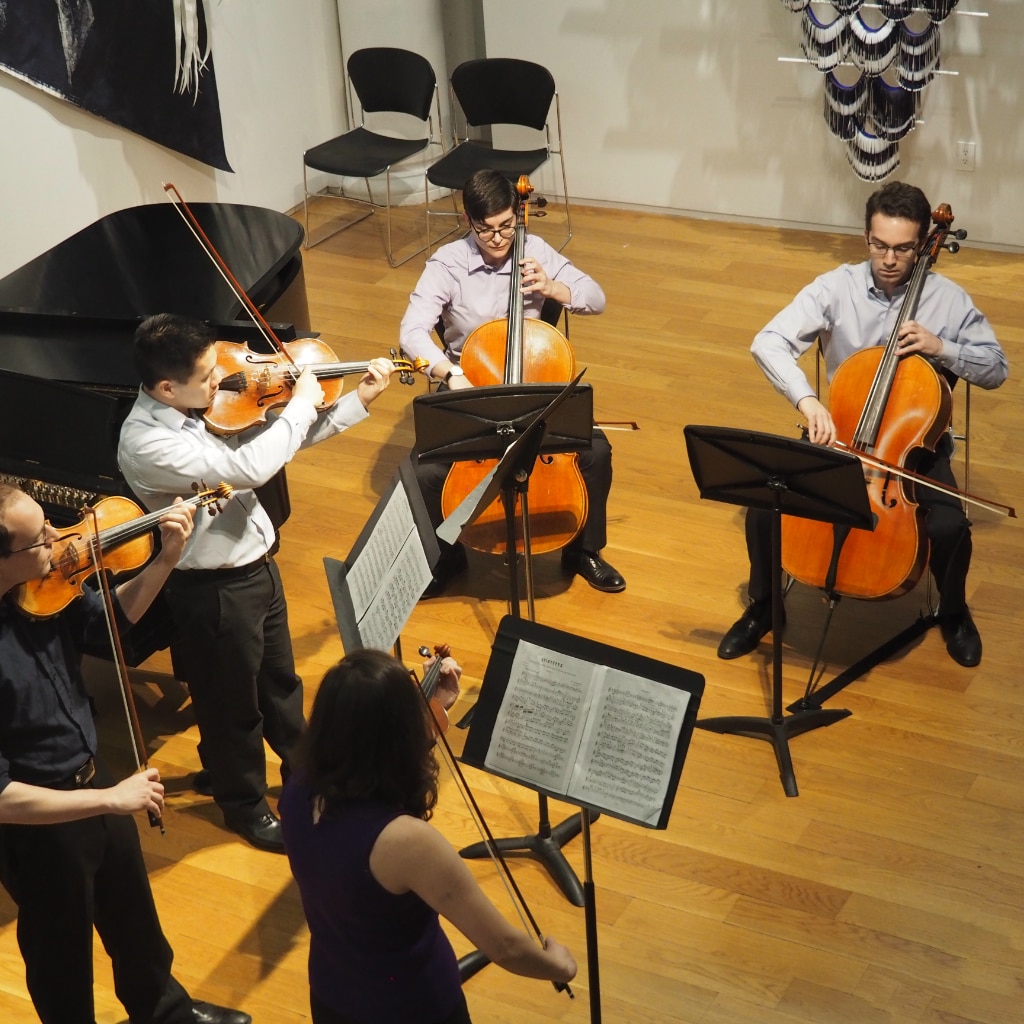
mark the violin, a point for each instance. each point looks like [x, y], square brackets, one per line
[243, 400]
[114, 526]
[887, 409]
[255, 382]
[521, 350]
[428, 686]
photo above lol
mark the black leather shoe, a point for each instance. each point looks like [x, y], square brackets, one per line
[745, 633]
[201, 782]
[601, 575]
[207, 1013]
[452, 561]
[263, 831]
[963, 641]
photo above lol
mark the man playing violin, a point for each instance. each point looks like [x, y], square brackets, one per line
[232, 644]
[69, 850]
[466, 284]
[851, 308]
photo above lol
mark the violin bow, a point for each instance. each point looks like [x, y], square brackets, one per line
[127, 699]
[505, 875]
[192, 223]
[924, 481]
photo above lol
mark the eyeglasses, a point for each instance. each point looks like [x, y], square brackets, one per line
[39, 543]
[486, 234]
[901, 252]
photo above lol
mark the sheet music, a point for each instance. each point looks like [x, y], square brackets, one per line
[538, 728]
[625, 761]
[389, 574]
[595, 734]
[400, 589]
[390, 534]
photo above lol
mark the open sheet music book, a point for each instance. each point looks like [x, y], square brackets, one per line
[375, 590]
[605, 732]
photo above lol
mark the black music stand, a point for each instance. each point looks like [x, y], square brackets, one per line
[582, 751]
[787, 477]
[513, 423]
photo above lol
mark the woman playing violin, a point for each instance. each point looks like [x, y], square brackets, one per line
[373, 874]
[466, 284]
[852, 308]
[232, 645]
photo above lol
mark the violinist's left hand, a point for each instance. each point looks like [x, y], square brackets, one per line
[175, 530]
[915, 338]
[377, 378]
[447, 691]
[535, 279]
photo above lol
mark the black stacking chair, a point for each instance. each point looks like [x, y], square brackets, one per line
[497, 91]
[386, 81]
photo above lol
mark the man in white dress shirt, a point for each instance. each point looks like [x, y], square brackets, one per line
[231, 644]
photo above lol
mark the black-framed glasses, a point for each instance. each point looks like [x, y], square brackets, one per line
[486, 234]
[901, 252]
[39, 543]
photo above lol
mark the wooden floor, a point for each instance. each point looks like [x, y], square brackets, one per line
[890, 891]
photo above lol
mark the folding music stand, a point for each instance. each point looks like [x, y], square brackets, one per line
[787, 477]
[512, 423]
[616, 745]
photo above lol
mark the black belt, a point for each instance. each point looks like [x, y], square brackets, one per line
[231, 572]
[85, 774]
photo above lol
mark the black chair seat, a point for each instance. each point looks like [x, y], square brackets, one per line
[361, 153]
[455, 168]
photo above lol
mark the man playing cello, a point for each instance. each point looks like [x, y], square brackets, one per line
[465, 284]
[855, 307]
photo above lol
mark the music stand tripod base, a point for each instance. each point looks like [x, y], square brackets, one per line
[785, 476]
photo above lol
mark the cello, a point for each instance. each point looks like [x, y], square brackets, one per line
[520, 350]
[887, 408]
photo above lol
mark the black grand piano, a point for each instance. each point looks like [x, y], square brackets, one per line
[66, 324]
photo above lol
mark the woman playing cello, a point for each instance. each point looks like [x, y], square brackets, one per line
[464, 285]
[853, 308]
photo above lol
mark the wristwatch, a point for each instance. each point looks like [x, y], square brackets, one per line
[455, 371]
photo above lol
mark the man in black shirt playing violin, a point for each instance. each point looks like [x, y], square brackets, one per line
[69, 849]
[851, 308]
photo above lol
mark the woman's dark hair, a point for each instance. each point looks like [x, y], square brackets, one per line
[898, 199]
[488, 193]
[369, 737]
[167, 347]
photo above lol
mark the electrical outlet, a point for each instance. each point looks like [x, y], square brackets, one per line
[964, 156]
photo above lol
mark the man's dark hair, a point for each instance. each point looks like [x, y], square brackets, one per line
[898, 199]
[369, 737]
[167, 347]
[8, 495]
[488, 193]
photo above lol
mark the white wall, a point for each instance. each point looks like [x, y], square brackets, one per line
[679, 104]
[278, 71]
[683, 104]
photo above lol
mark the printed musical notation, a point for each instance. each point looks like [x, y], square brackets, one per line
[594, 734]
[389, 575]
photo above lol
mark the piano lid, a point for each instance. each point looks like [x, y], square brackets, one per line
[70, 313]
[144, 260]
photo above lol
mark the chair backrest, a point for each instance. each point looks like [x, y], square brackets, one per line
[386, 78]
[504, 90]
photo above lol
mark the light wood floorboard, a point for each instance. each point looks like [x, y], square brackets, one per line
[891, 891]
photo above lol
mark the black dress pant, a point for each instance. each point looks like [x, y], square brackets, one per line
[595, 467]
[65, 879]
[948, 530]
[233, 648]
